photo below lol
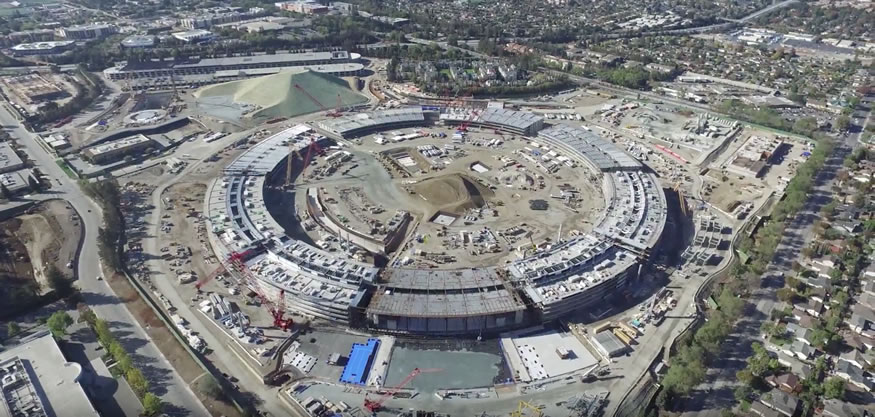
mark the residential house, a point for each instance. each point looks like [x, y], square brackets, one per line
[796, 366]
[818, 294]
[788, 383]
[800, 350]
[814, 307]
[762, 410]
[847, 371]
[836, 408]
[799, 333]
[855, 358]
[781, 402]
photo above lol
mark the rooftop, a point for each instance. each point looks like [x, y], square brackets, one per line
[38, 381]
[35, 46]
[349, 124]
[505, 117]
[604, 155]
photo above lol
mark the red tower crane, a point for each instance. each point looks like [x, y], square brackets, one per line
[376, 405]
[220, 270]
[235, 262]
[310, 148]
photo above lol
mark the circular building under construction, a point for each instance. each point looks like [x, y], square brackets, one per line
[409, 220]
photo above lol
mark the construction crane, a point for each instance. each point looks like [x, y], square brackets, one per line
[338, 111]
[327, 111]
[376, 405]
[235, 262]
[220, 270]
[313, 146]
[521, 410]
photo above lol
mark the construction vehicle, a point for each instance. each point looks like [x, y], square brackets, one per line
[376, 405]
[236, 263]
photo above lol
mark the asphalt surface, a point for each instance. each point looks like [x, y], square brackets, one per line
[164, 380]
[716, 392]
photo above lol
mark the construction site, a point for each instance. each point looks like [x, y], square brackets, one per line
[44, 237]
[356, 257]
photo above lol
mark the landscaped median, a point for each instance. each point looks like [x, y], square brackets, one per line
[152, 405]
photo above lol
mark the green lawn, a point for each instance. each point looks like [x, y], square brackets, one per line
[63, 164]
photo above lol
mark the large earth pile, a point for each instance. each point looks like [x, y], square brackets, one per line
[453, 193]
[285, 94]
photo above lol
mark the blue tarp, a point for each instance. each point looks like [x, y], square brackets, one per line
[359, 364]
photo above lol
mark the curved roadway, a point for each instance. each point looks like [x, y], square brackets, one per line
[165, 381]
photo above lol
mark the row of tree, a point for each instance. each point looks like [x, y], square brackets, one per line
[152, 405]
[110, 236]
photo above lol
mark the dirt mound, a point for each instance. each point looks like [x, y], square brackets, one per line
[453, 193]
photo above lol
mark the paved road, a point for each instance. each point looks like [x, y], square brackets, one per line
[716, 392]
[165, 382]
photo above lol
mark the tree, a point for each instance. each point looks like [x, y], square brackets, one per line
[86, 314]
[152, 405]
[137, 381]
[834, 388]
[58, 323]
[34, 184]
[116, 350]
[103, 333]
[210, 387]
[4, 191]
[786, 295]
[843, 122]
[12, 329]
[58, 281]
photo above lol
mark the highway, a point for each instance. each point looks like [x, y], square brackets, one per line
[716, 392]
[164, 380]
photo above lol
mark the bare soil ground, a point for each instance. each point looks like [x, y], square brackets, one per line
[51, 234]
[47, 235]
[453, 193]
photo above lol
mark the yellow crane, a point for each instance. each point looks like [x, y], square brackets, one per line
[526, 409]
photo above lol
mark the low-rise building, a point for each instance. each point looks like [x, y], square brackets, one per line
[9, 160]
[37, 377]
[42, 48]
[854, 375]
[90, 31]
[139, 41]
[194, 35]
[785, 404]
[115, 150]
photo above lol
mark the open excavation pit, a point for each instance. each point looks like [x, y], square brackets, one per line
[454, 193]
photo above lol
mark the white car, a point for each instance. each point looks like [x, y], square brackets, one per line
[99, 278]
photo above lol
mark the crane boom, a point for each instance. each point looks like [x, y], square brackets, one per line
[377, 405]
